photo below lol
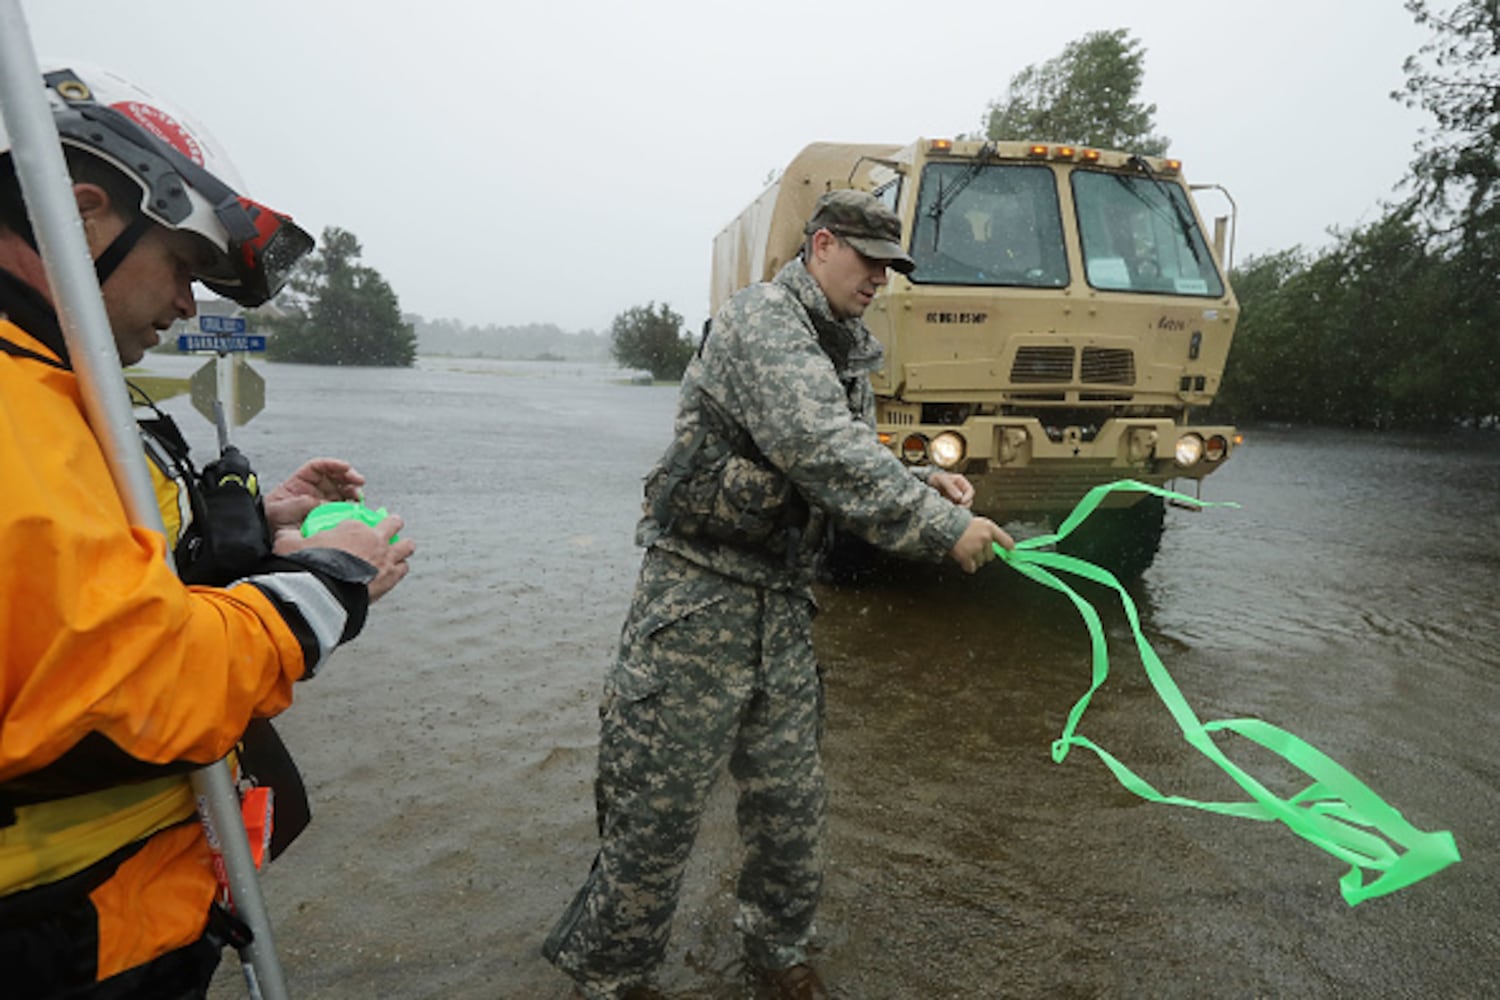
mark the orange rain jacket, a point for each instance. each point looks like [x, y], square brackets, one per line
[116, 680]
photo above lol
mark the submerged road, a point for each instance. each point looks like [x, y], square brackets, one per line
[449, 752]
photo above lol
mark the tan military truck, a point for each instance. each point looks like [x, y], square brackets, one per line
[1065, 319]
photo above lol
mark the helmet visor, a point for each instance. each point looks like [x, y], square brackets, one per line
[264, 248]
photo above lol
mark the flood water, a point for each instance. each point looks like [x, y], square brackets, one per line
[1351, 599]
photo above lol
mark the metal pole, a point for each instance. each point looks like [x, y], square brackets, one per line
[228, 404]
[48, 193]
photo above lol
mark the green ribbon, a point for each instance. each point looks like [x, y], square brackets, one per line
[1336, 812]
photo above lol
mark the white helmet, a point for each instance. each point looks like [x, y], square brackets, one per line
[186, 181]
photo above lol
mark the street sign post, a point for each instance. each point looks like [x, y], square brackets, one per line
[226, 386]
[235, 386]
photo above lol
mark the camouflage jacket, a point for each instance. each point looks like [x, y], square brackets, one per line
[774, 443]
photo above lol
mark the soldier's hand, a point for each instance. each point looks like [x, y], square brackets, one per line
[954, 486]
[974, 547]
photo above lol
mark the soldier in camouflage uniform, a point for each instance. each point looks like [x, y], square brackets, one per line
[774, 447]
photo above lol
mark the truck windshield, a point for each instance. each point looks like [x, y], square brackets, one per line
[1139, 235]
[988, 225]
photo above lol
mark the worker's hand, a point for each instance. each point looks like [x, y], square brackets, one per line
[954, 486]
[373, 545]
[974, 547]
[318, 481]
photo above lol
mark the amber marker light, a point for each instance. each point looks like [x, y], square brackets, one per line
[941, 146]
[1064, 152]
[1037, 150]
[1090, 156]
[885, 437]
[1172, 166]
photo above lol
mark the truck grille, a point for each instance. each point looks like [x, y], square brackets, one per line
[1042, 364]
[1111, 365]
[1100, 365]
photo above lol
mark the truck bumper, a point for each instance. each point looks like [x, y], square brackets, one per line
[1021, 467]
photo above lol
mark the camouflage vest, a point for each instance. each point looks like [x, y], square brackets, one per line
[713, 483]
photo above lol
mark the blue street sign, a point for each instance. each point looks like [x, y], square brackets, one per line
[222, 324]
[201, 342]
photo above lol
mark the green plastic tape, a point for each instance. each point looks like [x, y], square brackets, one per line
[1336, 812]
[325, 516]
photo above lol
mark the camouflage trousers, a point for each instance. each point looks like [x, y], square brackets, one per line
[711, 671]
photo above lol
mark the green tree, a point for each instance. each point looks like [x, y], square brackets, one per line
[340, 312]
[1456, 77]
[1086, 96]
[651, 337]
[1256, 376]
[1397, 324]
[1374, 331]
[1456, 182]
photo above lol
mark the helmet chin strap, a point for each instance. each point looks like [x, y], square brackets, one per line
[115, 253]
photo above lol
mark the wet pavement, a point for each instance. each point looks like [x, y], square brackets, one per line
[1351, 599]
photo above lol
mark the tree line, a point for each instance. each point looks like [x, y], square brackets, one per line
[1391, 326]
[526, 342]
[1396, 323]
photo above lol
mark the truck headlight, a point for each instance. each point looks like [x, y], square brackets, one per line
[1189, 450]
[948, 449]
[1215, 448]
[914, 449]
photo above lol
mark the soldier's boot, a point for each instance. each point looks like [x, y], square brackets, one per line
[634, 993]
[799, 982]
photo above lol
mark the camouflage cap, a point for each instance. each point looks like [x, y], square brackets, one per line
[864, 223]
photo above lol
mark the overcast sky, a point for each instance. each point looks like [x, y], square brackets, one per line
[561, 161]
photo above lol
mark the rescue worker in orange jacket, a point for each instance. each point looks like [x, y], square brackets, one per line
[116, 679]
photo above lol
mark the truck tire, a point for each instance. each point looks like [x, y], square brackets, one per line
[1122, 541]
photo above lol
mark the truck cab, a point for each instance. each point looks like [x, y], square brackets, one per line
[1066, 317]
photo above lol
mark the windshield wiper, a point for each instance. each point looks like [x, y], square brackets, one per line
[946, 195]
[1183, 221]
